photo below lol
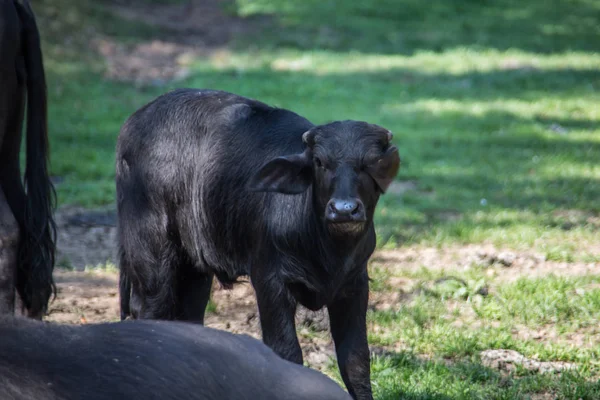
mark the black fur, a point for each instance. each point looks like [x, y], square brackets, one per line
[31, 204]
[209, 182]
[147, 360]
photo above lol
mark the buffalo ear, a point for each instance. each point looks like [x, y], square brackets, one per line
[289, 174]
[384, 171]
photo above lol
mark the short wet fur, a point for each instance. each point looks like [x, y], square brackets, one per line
[27, 228]
[209, 182]
[146, 360]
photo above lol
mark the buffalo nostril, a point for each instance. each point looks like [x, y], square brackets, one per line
[331, 207]
[358, 209]
[345, 206]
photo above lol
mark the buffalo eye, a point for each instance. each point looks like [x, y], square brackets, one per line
[318, 162]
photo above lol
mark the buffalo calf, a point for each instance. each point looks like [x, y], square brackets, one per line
[147, 360]
[214, 184]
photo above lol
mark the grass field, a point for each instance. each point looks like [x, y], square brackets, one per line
[495, 107]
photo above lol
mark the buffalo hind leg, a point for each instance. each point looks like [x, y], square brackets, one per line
[194, 293]
[148, 260]
[9, 243]
[129, 300]
[156, 294]
[124, 290]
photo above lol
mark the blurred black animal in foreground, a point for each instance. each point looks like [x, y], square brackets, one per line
[147, 360]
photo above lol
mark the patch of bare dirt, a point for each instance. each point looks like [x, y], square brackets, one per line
[504, 264]
[86, 297]
[510, 360]
[154, 62]
[543, 396]
[572, 218]
[587, 337]
[185, 31]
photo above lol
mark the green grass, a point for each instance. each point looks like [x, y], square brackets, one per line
[453, 330]
[428, 320]
[405, 26]
[495, 107]
[473, 134]
[435, 380]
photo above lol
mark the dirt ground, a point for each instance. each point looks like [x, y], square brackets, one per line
[90, 295]
[86, 297]
[185, 31]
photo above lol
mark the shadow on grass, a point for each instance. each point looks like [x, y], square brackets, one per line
[406, 26]
[63, 20]
[410, 369]
[406, 376]
[493, 85]
[385, 26]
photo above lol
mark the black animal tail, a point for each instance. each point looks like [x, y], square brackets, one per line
[38, 239]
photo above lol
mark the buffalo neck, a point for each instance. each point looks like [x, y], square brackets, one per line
[297, 224]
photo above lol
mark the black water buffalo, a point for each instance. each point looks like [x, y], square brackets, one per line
[27, 229]
[211, 183]
[147, 360]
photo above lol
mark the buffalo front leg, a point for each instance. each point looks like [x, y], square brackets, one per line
[277, 309]
[347, 316]
[9, 243]
[194, 293]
